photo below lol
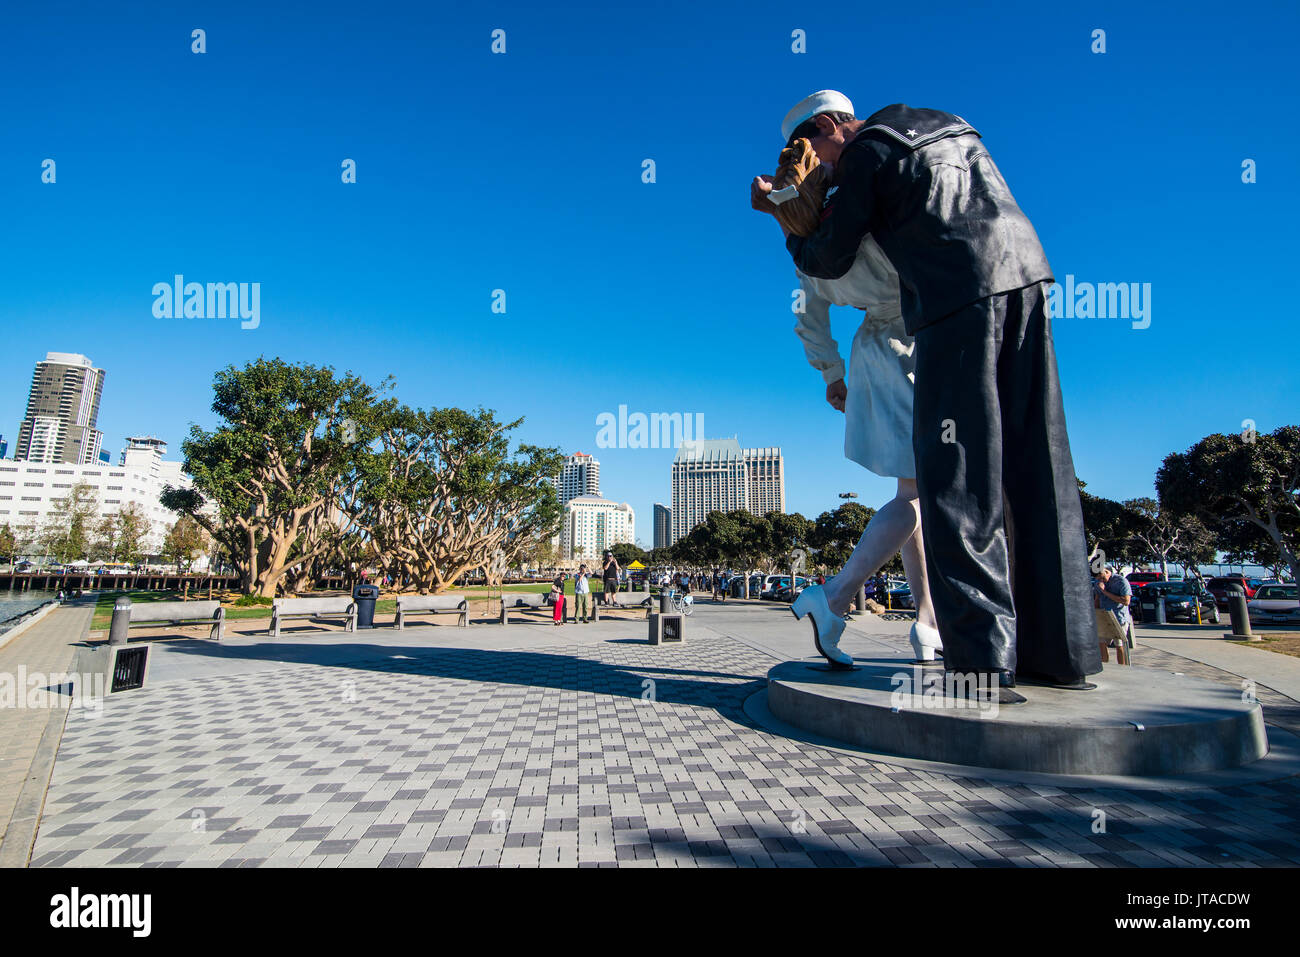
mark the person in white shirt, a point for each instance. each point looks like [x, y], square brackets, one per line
[877, 407]
[581, 596]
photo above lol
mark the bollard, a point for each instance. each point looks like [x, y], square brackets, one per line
[1161, 618]
[860, 600]
[1240, 616]
[665, 603]
[117, 629]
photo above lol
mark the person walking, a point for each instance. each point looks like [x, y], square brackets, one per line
[581, 595]
[557, 595]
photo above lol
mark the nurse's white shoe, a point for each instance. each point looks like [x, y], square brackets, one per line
[925, 642]
[827, 626]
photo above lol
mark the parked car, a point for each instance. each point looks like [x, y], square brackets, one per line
[779, 584]
[901, 597]
[1181, 598]
[1274, 603]
[1220, 584]
[1137, 579]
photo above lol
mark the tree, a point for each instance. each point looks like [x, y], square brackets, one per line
[1163, 535]
[8, 543]
[133, 529]
[275, 467]
[788, 532]
[69, 526]
[835, 533]
[1108, 525]
[184, 543]
[625, 553]
[1235, 480]
[442, 492]
[27, 539]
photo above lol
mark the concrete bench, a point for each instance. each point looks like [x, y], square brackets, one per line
[433, 605]
[342, 607]
[538, 600]
[160, 614]
[636, 600]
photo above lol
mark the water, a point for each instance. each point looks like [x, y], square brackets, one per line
[14, 604]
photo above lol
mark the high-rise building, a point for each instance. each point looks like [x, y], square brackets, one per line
[580, 475]
[62, 409]
[4, 447]
[663, 526]
[765, 480]
[593, 524]
[718, 475]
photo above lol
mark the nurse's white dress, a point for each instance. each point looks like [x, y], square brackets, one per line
[882, 360]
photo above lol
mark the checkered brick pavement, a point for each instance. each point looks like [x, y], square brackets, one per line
[603, 754]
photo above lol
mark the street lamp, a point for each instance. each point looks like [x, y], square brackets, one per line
[848, 494]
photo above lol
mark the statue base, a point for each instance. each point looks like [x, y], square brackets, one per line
[1138, 721]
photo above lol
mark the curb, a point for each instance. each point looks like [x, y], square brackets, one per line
[24, 823]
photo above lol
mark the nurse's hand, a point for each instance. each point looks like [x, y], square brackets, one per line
[836, 394]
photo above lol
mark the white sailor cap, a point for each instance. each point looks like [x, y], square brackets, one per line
[823, 101]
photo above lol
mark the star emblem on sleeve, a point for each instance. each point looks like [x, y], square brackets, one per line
[911, 132]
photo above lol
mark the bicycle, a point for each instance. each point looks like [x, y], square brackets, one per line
[682, 604]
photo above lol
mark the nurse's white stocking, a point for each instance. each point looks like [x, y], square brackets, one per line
[896, 526]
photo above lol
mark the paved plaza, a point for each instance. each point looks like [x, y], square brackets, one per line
[531, 745]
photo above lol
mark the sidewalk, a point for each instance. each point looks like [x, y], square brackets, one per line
[29, 736]
[1205, 643]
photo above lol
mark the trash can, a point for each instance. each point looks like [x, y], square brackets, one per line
[365, 597]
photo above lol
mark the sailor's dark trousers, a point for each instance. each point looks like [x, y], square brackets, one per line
[1000, 512]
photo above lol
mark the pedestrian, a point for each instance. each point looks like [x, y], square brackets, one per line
[1116, 595]
[610, 575]
[557, 596]
[581, 595]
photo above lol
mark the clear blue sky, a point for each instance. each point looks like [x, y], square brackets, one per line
[523, 172]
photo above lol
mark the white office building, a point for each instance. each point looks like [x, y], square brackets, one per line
[717, 475]
[29, 491]
[593, 524]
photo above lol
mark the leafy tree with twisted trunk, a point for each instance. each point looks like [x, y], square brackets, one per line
[440, 493]
[275, 466]
[1246, 485]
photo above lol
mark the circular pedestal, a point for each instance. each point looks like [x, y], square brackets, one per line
[1138, 721]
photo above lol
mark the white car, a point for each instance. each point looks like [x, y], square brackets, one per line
[1275, 603]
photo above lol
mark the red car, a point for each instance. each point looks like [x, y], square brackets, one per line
[1138, 579]
[1220, 584]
